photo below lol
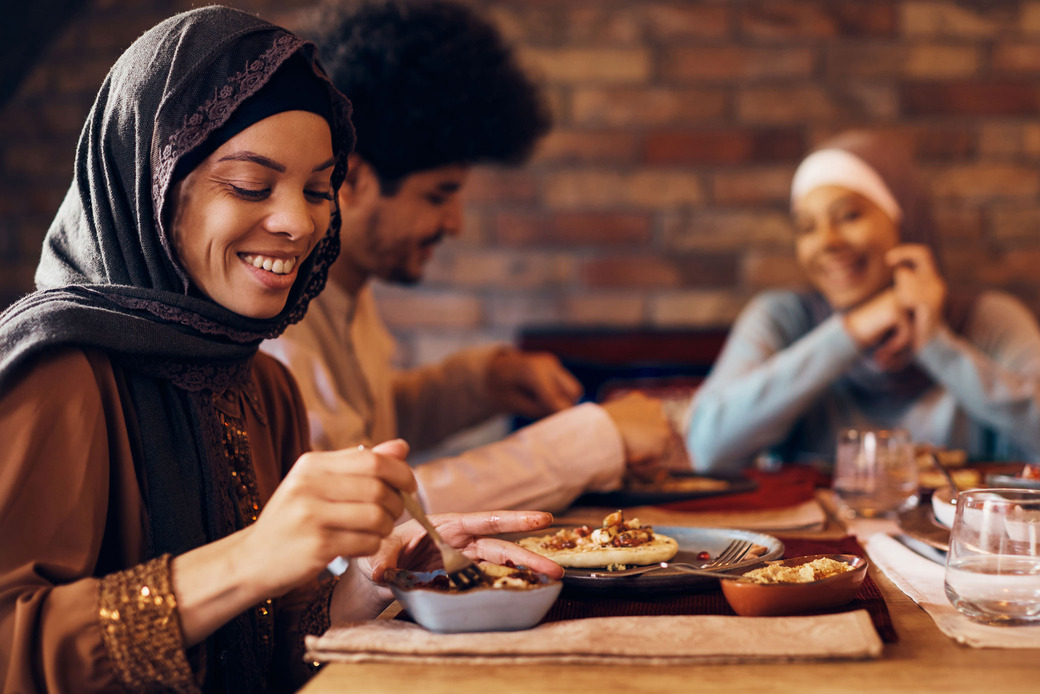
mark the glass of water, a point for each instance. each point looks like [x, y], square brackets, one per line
[993, 564]
[875, 473]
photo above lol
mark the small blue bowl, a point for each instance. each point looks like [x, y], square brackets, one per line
[478, 609]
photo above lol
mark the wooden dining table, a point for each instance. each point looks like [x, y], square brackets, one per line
[922, 659]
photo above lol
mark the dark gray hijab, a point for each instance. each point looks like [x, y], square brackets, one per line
[891, 158]
[109, 279]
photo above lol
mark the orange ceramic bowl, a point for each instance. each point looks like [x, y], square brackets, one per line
[774, 599]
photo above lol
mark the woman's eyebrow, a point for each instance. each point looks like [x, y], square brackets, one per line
[270, 163]
[256, 159]
[324, 165]
[842, 204]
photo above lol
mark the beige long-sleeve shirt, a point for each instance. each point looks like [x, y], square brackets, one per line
[341, 355]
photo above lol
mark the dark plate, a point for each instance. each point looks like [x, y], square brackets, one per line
[919, 523]
[648, 496]
[1011, 482]
[692, 541]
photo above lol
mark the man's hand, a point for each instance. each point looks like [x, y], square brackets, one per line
[531, 384]
[647, 434]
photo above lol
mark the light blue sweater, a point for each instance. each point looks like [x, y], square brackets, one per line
[775, 388]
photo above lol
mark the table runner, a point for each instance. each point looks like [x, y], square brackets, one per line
[574, 604]
[631, 641]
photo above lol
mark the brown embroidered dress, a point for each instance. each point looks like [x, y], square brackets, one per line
[82, 608]
[138, 420]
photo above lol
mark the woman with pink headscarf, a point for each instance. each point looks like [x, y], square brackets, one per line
[878, 341]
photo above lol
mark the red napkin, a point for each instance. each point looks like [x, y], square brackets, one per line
[791, 485]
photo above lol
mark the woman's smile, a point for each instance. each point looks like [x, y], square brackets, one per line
[272, 264]
[277, 272]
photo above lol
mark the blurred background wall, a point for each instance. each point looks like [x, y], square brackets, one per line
[661, 198]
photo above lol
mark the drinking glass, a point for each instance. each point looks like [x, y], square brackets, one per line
[875, 473]
[993, 564]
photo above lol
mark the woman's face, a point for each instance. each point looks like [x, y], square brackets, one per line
[249, 214]
[841, 241]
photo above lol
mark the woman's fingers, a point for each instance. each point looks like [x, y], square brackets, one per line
[408, 547]
[897, 348]
[500, 552]
[919, 289]
[395, 448]
[379, 462]
[491, 522]
[914, 256]
[335, 503]
[873, 320]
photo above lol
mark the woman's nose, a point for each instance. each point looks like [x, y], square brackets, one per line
[292, 217]
[830, 234]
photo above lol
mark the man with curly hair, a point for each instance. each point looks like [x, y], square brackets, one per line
[435, 91]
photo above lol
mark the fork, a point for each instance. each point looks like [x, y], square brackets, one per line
[462, 571]
[732, 554]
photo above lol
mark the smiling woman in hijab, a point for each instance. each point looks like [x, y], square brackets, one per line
[163, 525]
[879, 340]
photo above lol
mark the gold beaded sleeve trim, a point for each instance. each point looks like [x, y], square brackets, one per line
[138, 615]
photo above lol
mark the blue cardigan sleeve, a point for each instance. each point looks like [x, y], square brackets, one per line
[993, 370]
[773, 368]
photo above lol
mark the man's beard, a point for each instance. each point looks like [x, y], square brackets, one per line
[399, 273]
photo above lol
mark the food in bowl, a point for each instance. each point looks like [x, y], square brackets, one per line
[507, 576]
[778, 572]
[517, 598]
[749, 598]
[616, 543]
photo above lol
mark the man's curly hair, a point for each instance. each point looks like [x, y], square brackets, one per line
[432, 83]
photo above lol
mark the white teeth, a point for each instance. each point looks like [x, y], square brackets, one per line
[278, 266]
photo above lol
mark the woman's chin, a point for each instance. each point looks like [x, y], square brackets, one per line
[847, 300]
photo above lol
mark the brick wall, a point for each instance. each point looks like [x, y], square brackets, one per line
[660, 199]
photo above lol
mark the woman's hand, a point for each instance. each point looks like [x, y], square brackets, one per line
[897, 322]
[336, 503]
[919, 290]
[883, 327]
[408, 547]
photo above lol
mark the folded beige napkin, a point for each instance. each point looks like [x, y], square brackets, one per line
[611, 640]
[922, 580]
[807, 514]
